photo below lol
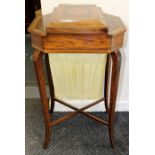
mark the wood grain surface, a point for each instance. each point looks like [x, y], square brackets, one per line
[71, 41]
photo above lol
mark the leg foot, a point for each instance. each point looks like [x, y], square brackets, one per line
[111, 136]
[47, 137]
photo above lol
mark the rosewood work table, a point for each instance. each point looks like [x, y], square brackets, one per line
[77, 29]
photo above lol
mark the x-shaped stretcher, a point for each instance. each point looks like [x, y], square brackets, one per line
[81, 110]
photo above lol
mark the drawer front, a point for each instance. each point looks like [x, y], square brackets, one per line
[62, 42]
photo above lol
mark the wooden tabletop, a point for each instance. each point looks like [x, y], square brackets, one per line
[77, 19]
[77, 29]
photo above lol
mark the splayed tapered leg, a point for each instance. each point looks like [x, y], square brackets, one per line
[116, 63]
[50, 82]
[38, 64]
[106, 86]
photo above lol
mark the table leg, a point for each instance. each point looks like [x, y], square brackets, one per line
[116, 63]
[38, 63]
[106, 82]
[50, 82]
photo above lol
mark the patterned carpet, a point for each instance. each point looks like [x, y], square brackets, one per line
[78, 136]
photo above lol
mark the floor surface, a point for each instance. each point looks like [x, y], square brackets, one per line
[78, 136]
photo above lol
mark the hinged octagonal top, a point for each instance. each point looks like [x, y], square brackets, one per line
[77, 19]
[77, 29]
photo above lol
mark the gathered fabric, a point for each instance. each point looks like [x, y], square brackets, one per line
[78, 76]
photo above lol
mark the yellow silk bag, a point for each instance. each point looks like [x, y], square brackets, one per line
[78, 76]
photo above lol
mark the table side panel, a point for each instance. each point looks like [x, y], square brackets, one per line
[37, 42]
[117, 41]
[72, 41]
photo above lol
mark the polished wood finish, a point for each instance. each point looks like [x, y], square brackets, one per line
[98, 120]
[116, 61]
[77, 18]
[116, 64]
[50, 82]
[68, 32]
[38, 63]
[37, 42]
[106, 84]
[71, 41]
[67, 29]
[110, 24]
